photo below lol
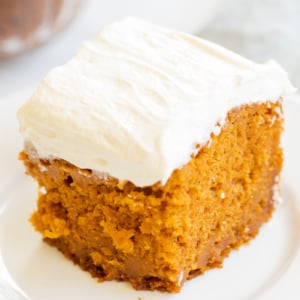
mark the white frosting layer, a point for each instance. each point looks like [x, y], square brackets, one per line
[136, 100]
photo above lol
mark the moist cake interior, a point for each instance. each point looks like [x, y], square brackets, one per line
[158, 236]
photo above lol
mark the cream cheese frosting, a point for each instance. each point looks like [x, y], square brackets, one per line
[136, 100]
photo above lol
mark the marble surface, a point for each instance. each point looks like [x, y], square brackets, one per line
[260, 30]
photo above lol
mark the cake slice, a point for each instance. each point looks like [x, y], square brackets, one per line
[156, 153]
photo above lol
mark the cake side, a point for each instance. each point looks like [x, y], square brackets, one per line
[158, 236]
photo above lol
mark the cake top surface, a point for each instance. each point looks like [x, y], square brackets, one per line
[136, 100]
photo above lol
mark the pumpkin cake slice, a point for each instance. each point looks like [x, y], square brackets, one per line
[156, 153]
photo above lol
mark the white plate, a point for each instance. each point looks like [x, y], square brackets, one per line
[269, 268]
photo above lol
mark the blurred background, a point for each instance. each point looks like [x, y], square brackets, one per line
[36, 35]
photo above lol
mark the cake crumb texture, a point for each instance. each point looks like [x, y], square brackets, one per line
[157, 237]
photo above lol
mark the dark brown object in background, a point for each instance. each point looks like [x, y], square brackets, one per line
[25, 24]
